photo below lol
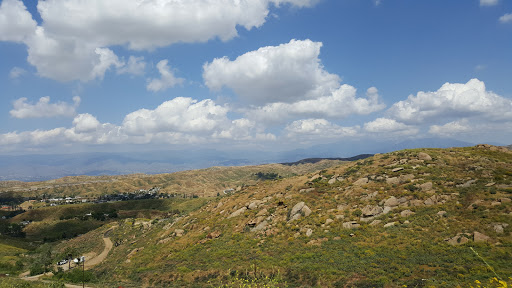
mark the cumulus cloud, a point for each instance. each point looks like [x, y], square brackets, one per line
[16, 72]
[339, 104]
[451, 129]
[453, 101]
[65, 46]
[177, 121]
[507, 18]
[318, 128]
[489, 2]
[43, 108]
[178, 115]
[134, 66]
[167, 78]
[16, 23]
[85, 123]
[389, 126]
[284, 73]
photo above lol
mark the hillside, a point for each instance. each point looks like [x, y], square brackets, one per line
[204, 182]
[420, 218]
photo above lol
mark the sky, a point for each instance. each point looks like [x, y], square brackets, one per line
[96, 75]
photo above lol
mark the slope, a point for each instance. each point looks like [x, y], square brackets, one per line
[412, 217]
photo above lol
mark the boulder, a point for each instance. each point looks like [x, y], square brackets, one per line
[179, 232]
[260, 226]
[350, 225]
[480, 237]
[361, 181]
[390, 224]
[424, 156]
[372, 210]
[458, 239]
[406, 213]
[309, 232]
[307, 190]
[213, 235]
[397, 169]
[391, 202]
[315, 177]
[296, 209]
[237, 212]
[262, 212]
[375, 222]
[332, 181]
[441, 213]
[467, 184]
[406, 178]
[393, 180]
[426, 186]
[306, 211]
[328, 221]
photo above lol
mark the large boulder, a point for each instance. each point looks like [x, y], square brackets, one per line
[391, 202]
[237, 212]
[361, 181]
[424, 156]
[372, 210]
[426, 186]
[298, 210]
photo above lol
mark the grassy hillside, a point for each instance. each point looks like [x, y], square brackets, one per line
[434, 210]
[204, 182]
[419, 218]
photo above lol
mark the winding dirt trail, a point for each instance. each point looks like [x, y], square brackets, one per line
[89, 263]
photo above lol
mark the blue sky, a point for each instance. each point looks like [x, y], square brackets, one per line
[271, 74]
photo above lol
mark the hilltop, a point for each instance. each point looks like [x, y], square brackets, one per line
[412, 217]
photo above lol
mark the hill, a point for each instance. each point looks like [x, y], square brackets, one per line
[204, 182]
[420, 218]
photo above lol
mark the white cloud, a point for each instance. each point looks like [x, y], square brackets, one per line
[506, 18]
[135, 66]
[339, 104]
[177, 115]
[390, 126]
[451, 129]
[453, 101]
[177, 121]
[43, 108]
[16, 72]
[167, 78]
[318, 129]
[489, 2]
[285, 73]
[16, 23]
[85, 123]
[65, 46]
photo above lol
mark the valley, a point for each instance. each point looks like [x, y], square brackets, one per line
[409, 218]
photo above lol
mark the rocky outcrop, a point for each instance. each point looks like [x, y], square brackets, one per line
[300, 209]
[372, 210]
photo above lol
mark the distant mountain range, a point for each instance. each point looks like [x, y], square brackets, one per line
[45, 167]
